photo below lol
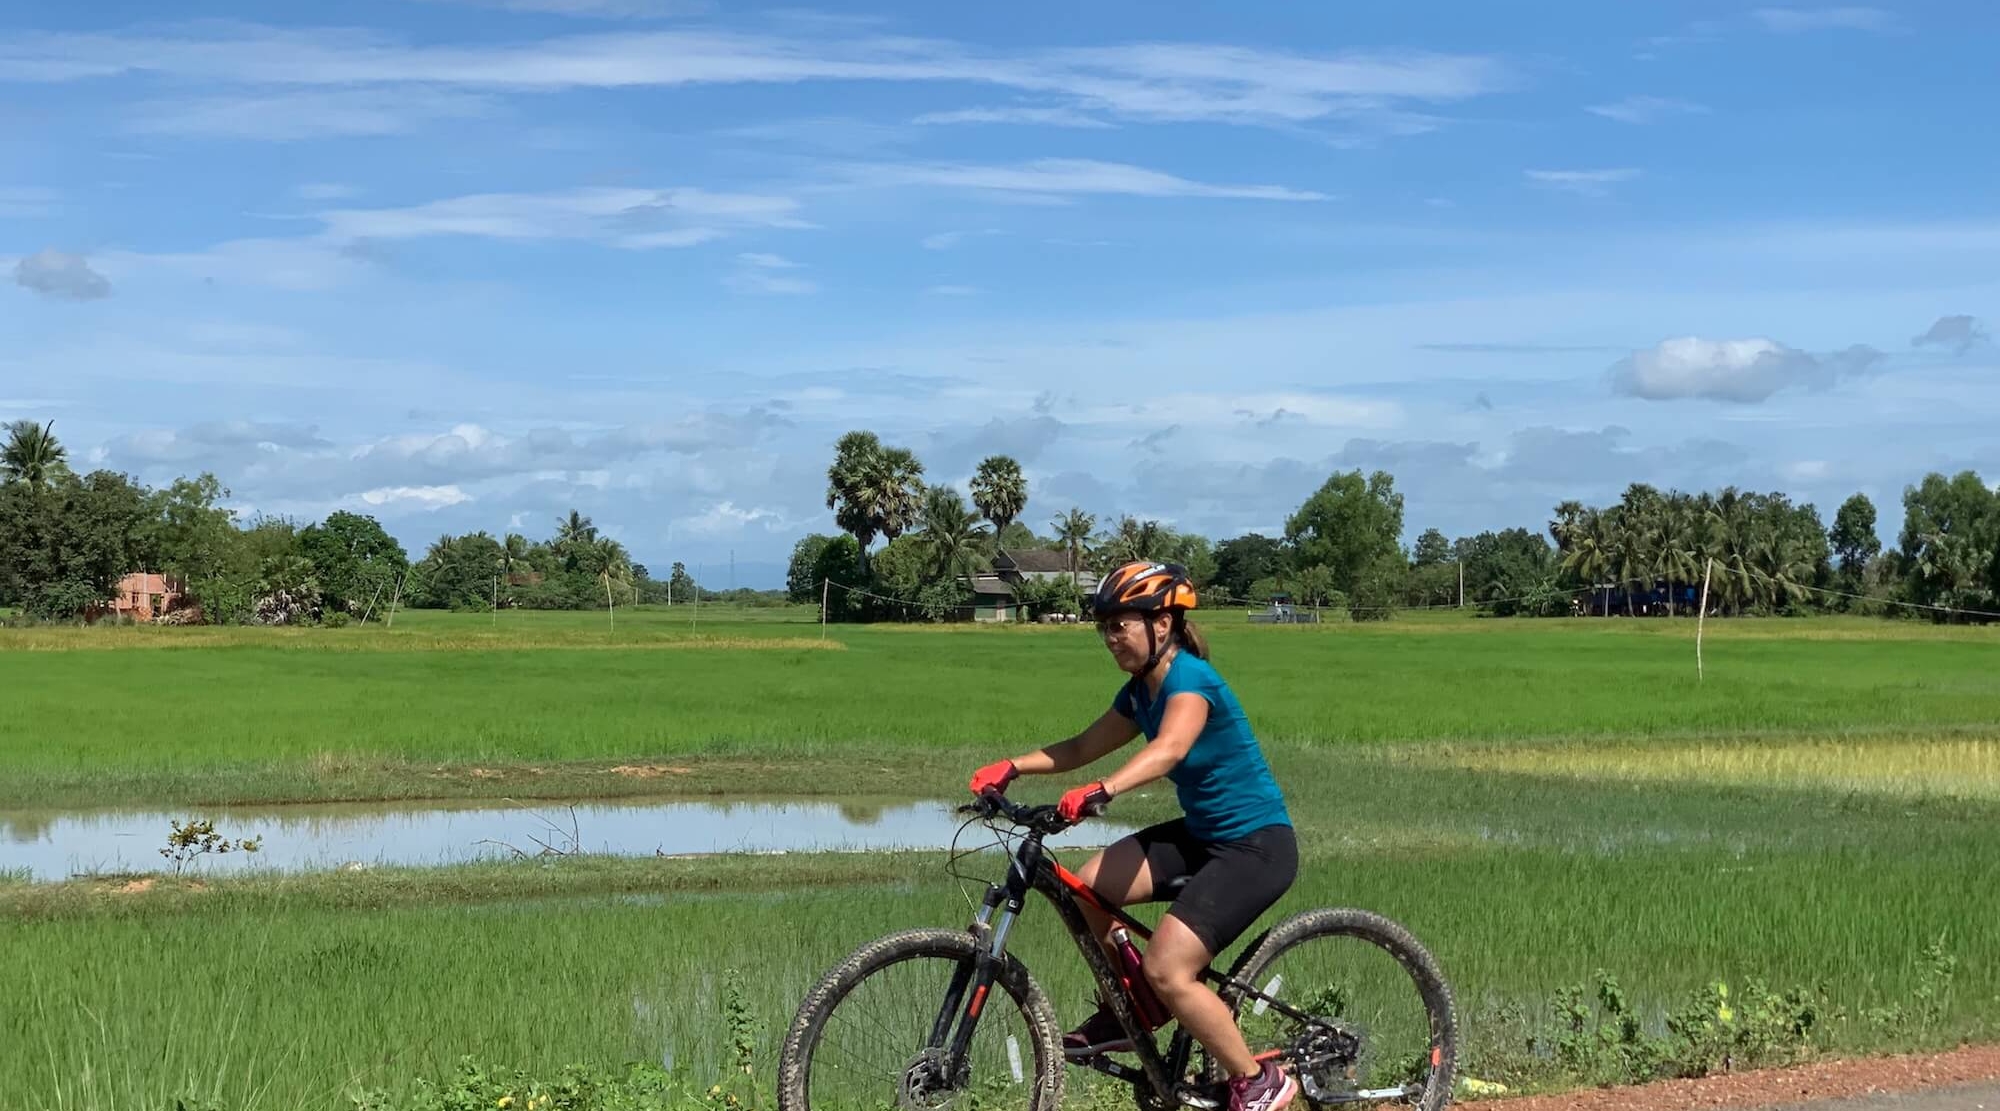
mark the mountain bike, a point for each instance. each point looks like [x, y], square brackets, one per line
[1347, 1000]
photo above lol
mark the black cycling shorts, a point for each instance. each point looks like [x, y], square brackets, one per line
[1233, 881]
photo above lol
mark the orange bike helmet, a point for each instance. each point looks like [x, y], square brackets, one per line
[1145, 586]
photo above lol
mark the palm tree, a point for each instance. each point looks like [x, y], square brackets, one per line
[895, 491]
[614, 565]
[952, 536]
[1674, 546]
[574, 533]
[32, 455]
[513, 555]
[856, 457]
[999, 491]
[1563, 526]
[1073, 530]
[1592, 546]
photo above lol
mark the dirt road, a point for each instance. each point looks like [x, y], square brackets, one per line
[1963, 1079]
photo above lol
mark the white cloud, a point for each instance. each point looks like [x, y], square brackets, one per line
[1144, 81]
[1585, 183]
[767, 261]
[1057, 177]
[26, 203]
[1645, 109]
[635, 218]
[59, 274]
[1736, 370]
[1046, 117]
[726, 518]
[421, 497]
[311, 114]
[1796, 20]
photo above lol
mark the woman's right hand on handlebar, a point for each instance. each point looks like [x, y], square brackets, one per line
[994, 777]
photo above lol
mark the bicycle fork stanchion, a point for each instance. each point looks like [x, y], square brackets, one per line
[1008, 900]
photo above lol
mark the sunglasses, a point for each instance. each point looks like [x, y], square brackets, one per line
[1108, 626]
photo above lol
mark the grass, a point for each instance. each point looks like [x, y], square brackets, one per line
[268, 715]
[1536, 800]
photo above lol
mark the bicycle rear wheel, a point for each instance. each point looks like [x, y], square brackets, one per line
[1381, 1028]
[862, 1037]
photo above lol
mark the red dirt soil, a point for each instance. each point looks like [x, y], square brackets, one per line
[1834, 1079]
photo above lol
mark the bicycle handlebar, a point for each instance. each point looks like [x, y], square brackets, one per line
[1042, 819]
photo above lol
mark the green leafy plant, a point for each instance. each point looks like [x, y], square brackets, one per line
[199, 838]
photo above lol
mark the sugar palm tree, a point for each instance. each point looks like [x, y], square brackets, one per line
[31, 455]
[999, 491]
[895, 491]
[856, 457]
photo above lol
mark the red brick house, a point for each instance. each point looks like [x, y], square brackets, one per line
[146, 595]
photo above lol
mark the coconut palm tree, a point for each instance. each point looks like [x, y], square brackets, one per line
[614, 565]
[1592, 548]
[32, 455]
[1675, 544]
[999, 491]
[574, 534]
[952, 535]
[1073, 531]
[513, 555]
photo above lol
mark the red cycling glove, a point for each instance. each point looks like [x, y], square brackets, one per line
[1080, 802]
[995, 777]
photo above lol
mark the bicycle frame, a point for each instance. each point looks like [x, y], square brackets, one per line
[1032, 870]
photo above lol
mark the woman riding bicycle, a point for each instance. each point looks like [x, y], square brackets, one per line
[1234, 841]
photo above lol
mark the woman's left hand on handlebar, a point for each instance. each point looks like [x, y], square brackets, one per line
[1080, 802]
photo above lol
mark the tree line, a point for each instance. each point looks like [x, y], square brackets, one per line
[1646, 554]
[910, 549]
[67, 539]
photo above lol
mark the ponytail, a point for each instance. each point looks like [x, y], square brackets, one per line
[1189, 637]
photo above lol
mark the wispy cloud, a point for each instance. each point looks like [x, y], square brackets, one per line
[1046, 117]
[1790, 21]
[1068, 176]
[1145, 81]
[595, 9]
[323, 191]
[758, 272]
[313, 114]
[634, 218]
[1585, 183]
[1645, 109]
[1961, 333]
[26, 203]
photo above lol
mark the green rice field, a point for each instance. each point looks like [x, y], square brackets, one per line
[1536, 800]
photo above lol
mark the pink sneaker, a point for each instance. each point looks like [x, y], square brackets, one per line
[1269, 1090]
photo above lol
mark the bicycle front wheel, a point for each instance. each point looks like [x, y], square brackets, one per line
[1379, 1026]
[865, 1036]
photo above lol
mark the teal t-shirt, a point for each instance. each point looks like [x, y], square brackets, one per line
[1225, 787]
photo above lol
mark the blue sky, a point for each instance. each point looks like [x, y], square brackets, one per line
[469, 263]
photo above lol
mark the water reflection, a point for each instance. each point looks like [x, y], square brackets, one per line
[57, 844]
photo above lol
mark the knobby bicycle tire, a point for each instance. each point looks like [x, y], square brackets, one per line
[1428, 981]
[795, 1061]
